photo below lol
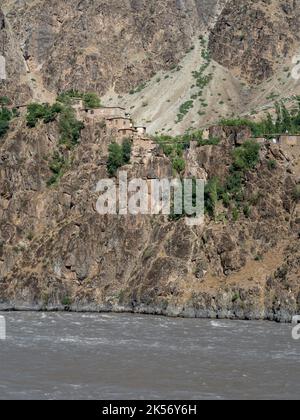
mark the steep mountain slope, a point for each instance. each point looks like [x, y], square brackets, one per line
[101, 44]
[255, 38]
[56, 251]
[144, 55]
[174, 65]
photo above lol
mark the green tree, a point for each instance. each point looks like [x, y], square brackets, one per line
[211, 195]
[91, 100]
[115, 158]
[4, 101]
[5, 117]
[126, 150]
[69, 127]
[247, 156]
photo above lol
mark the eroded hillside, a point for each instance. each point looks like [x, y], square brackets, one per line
[58, 252]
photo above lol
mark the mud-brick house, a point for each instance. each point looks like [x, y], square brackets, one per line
[289, 140]
[119, 123]
[141, 131]
[126, 133]
[105, 113]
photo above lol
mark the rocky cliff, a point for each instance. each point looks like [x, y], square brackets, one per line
[58, 252]
[253, 38]
[102, 44]
[153, 57]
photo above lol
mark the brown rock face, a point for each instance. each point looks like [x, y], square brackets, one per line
[15, 85]
[105, 43]
[57, 252]
[251, 36]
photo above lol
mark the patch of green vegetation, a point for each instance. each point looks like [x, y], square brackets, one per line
[236, 297]
[285, 121]
[272, 164]
[5, 117]
[66, 301]
[58, 166]
[184, 109]
[214, 141]
[119, 155]
[246, 157]
[178, 164]
[211, 195]
[90, 99]
[69, 128]
[139, 89]
[4, 101]
[231, 190]
[45, 112]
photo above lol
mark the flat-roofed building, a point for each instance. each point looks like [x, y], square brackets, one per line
[119, 123]
[289, 140]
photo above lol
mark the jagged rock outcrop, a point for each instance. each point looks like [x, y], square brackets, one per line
[15, 85]
[252, 37]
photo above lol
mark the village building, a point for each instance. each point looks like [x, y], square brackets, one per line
[141, 130]
[120, 123]
[124, 133]
[289, 140]
[105, 112]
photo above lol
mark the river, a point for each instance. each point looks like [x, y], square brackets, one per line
[112, 356]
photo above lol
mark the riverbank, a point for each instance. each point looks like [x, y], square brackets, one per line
[281, 316]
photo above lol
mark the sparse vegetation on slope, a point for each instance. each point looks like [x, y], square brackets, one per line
[5, 118]
[285, 121]
[119, 155]
[90, 99]
[45, 112]
[231, 191]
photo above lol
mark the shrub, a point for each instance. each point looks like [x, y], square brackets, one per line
[178, 164]
[235, 214]
[118, 156]
[66, 301]
[91, 100]
[4, 100]
[5, 117]
[247, 156]
[69, 127]
[57, 166]
[184, 109]
[247, 210]
[211, 195]
[126, 150]
[234, 182]
[45, 112]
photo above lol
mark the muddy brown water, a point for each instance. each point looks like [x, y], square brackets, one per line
[108, 356]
